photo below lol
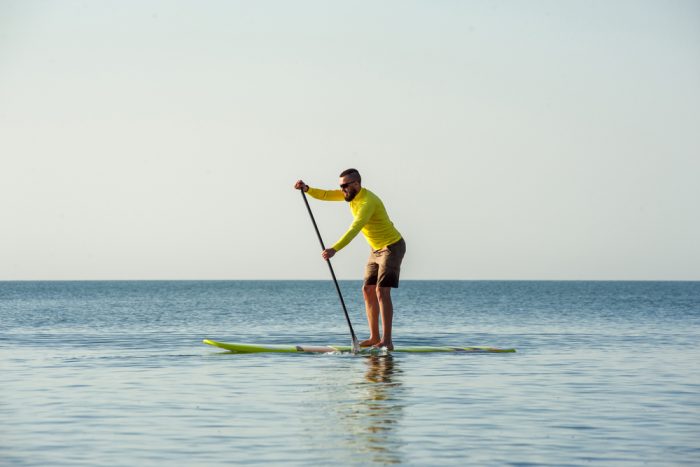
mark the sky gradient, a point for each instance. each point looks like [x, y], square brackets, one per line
[508, 140]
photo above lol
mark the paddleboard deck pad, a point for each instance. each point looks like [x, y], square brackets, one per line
[280, 348]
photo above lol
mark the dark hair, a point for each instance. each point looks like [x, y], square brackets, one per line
[351, 173]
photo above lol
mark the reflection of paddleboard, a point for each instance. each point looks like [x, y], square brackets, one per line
[257, 348]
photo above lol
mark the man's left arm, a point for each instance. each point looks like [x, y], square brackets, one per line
[364, 213]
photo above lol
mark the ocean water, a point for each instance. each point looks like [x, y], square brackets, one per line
[115, 374]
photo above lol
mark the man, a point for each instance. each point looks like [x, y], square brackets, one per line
[388, 249]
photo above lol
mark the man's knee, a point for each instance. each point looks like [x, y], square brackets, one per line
[369, 290]
[383, 293]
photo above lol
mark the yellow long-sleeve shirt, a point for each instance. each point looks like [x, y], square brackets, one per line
[370, 217]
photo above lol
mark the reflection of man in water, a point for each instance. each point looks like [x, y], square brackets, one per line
[380, 369]
[369, 407]
[384, 405]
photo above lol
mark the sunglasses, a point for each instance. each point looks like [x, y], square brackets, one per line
[345, 185]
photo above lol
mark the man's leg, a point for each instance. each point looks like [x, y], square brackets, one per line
[372, 309]
[387, 311]
[388, 277]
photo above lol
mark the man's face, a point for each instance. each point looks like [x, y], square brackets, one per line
[350, 187]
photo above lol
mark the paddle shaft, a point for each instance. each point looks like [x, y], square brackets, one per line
[330, 267]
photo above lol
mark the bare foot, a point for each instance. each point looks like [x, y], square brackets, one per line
[381, 344]
[369, 342]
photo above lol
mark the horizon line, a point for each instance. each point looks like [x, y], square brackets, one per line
[346, 280]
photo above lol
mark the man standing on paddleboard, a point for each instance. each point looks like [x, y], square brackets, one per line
[388, 249]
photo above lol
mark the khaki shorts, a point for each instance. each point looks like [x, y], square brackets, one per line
[384, 266]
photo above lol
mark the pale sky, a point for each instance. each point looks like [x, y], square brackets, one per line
[507, 139]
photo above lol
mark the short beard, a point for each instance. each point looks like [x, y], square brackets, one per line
[349, 196]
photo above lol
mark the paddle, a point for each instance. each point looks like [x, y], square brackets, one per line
[355, 344]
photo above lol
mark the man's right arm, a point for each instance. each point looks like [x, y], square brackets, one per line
[324, 195]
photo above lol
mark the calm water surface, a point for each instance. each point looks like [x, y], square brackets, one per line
[114, 373]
